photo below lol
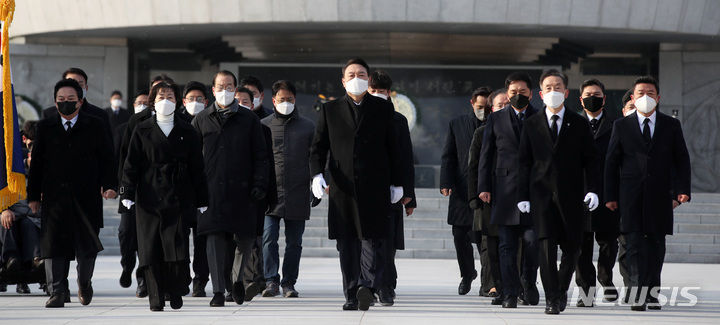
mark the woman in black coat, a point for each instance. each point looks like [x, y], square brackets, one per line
[164, 174]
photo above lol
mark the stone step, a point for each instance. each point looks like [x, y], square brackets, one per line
[697, 218]
[687, 228]
[693, 207]
[705, 198]
[693, 239]
[693, 258]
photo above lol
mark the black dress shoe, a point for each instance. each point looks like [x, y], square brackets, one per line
[351, 305]
[465, 285]
[497, 301]
[653, 303]
[199, 289]
[611, 294]
[55, 301]
[521, 301]
[364, 296]
[238, 292]
[218, 300]
[510, 302]
[85, 293]
[552, 309]
[126, 279]
[385, 297]
[581, 303]
[12, 265]
[141, 291]
[156, 308]
[251, 291]
[176, 302]
[531, 294]
[22, 288]
[563, 302]
[66, 296]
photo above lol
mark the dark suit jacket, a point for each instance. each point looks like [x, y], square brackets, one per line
[87, 108]
[363, 162]
[67, 173]
[640, 178]
[454, 167]
[551, 175]
[122, 116]
[481, 217]
[402, 132]
[497, 167]
[602, 219]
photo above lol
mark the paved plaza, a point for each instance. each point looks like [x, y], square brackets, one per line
[426, 294]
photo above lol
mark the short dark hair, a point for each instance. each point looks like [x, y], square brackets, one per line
[554, 73]
[518, 76]
[283, 84]
[116, 92]
[247, 91]
[29, 128]
[142, 92]
[164, 85]
[72, 83]
[75, 71]
[626, 98]
[380, 79]
[252, 81]
[592, 82]
[494, 94]
[484, 91]
[161, 77]
[225, 73]
[646, 80]
[356, 61]
[195, 85]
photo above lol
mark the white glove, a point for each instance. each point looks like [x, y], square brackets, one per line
[524, 206]
[592, 200]
[202, 209]
[127, 203]
[396, 193]
[318, 186]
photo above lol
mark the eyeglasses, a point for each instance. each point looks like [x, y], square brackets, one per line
[228, 88]
[195, 99]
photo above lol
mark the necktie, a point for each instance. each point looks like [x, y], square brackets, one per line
[520, 120]
[69, 126]
[554, 128]
[594, 125]
[646, 131]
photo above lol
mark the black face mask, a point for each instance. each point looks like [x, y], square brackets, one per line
[66, 108]
[592, 103]
[519, 101]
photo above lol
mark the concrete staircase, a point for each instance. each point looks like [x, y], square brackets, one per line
[427, 234]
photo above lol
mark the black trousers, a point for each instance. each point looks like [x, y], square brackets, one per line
[556, 282]
[127, 235]
[227, 255]
[464, 250]
[362, 263]
[253, 271]
[390, 275]
[491, 264]
[200, 261]
[21, 241]
[585, 271]
[622, 260]
[511, 238]
[645, 258]
[165, 277]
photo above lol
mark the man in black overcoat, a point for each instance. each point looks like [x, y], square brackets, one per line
[356, 130]
[557, 152]
[116, 113]
[453, 183]
[647, 175]
[497, 185]
[602, 224]
[237, 168]
[72, 169]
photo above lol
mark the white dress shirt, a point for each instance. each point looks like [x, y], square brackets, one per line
[72, 121]
[652, 117]
[590, 118]
[549, 114]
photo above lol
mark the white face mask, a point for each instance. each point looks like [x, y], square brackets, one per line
[553, 99]
[116, 103]
[245, 107]
[383, 96]
[645, 104]
[480, 114]
[224, 98]
[164, 107]
[256, 102]
[140, 108]
[356, 86]
[285, 108]
[194, 107]
[84, 93]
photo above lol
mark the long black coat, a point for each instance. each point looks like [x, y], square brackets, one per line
[363, 163]
[481, 216]
[122, 116]
[235, 162]
[639, 178]
[550, 175]
[453, 169]
[602, 219]
[67, 173]
[497, 167]
[165, 177]
[291, 140]
[87, 108]
[402, 133]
